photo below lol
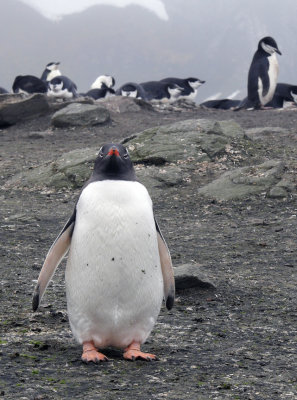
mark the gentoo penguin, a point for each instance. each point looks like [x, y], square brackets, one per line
[118, 268]
[131, 89]
[28, 84]
[189, 85]
[161, 91]
[102, 93]
[51, 71]
[262, 76]
[3, 91]
[107, 80]
[62, 87]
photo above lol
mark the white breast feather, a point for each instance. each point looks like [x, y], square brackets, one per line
[273, 75]
[113, 276]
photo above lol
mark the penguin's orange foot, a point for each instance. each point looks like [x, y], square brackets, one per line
[132, 353]
[90, 354]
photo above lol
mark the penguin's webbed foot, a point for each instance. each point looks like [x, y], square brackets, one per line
[132, 353]
[90, 354]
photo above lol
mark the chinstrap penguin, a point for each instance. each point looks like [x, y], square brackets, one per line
[51, 71]
[102, 93]
[3, 90]
[119, 267]
[284, 93]
[221, 104]
[106, 80]
[131, 89]
[28, 84]
[189, 86]
[262, 76]
[161, 91]
[62, 87]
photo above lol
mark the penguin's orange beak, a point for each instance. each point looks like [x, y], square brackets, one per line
[113, 151]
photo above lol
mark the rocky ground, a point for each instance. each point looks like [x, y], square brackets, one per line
[237, 341]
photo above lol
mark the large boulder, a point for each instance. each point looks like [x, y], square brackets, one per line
[70, 170]
[178, 147]
[79, 114]
[193, 140]
[245, 181]
[16, 108]
[123, 104]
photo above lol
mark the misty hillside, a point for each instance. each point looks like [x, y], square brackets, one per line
[214, 41]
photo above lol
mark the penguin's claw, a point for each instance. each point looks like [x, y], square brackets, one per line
[90, 354]
[93, 356]
[133, 353]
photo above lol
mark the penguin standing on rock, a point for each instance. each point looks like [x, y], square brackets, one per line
[118, 268]
[262, 76]
[51, 71]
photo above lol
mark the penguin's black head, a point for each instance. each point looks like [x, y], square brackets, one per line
[113, 162]
[195, 82]
[52, 65]
[268, 44]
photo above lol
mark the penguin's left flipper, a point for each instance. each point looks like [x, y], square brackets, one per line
[167, 270]
[54, 257]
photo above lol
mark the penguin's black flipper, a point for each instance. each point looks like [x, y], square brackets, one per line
[55, 255]
[167, 269]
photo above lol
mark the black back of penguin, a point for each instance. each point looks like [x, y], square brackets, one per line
[157, 90]
[28, 84]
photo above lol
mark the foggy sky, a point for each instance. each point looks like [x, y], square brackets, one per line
[55, 9]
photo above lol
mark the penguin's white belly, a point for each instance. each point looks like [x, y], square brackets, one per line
[273, 75]
[114, 282]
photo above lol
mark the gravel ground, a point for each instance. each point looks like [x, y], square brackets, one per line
[235, 342]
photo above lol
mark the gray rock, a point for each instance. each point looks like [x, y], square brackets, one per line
[69, 171]
[11, 97]
[265, 133]
[120, 104]
[15, 108]
[78, 114]
[245, 181]
[187, 141]
[191, 275]
[57, 104]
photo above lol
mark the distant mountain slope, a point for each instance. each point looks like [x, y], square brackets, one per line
[214, 41]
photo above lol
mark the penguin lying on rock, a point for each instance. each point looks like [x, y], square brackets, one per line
[189, 86]
[62, 87]
[164, 92]
[28, 84]
[118, 268]
[131, 89]
[102, 93]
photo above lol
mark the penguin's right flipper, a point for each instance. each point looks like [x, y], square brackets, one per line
[167, 269]
[55, 255]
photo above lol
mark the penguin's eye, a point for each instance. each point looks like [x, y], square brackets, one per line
[126, 155]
